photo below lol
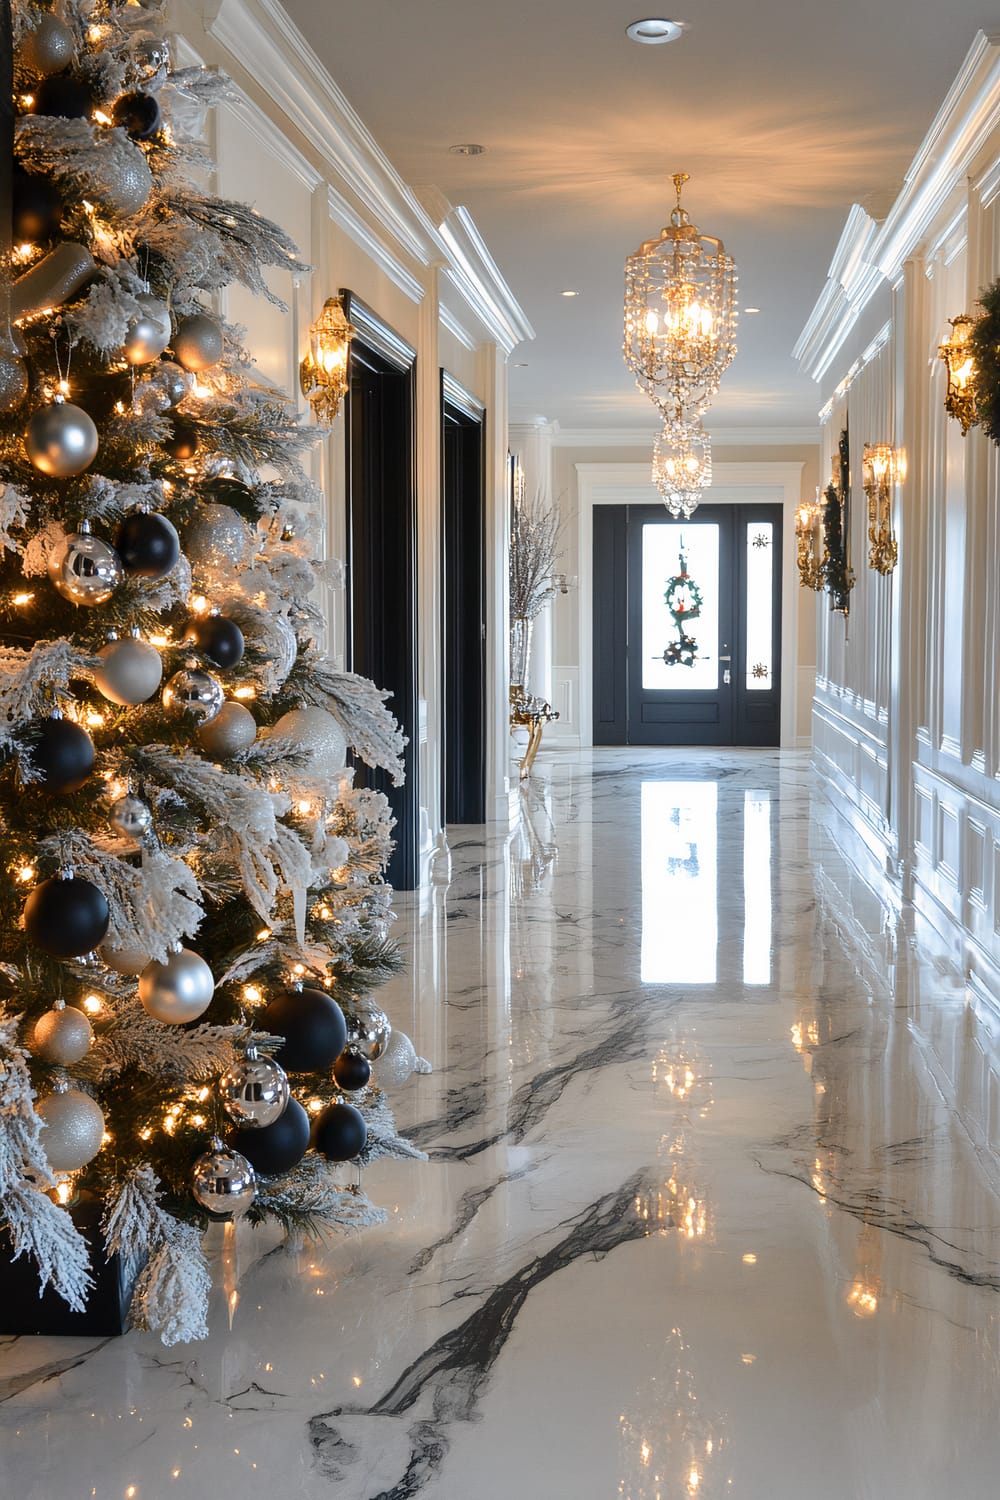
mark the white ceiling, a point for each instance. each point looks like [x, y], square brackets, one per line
[784, 113]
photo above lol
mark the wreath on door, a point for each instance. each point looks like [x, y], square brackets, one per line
[683, 599]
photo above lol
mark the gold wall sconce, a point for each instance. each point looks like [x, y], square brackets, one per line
[884, 468]
[960, 401]
[808, 527]
[323, 372]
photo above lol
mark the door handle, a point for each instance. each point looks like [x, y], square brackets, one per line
[727, 677]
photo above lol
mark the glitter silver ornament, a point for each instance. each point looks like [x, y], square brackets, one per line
[397, 1063]
[223, 1182]
[192, 691]
[218, 537]
[85, 569]
[316, 733]
[121, 181]
[13, 371]
[368, 1028]
[179, 990]
[233, 729]
[74, 1128]
[61, 440]
[123, 960]
[130, 817]
[149, 399]
[62, 1036]
[175, 382]
[130, 671]
[149, 334]
[198, 342]
[254, 1090]
[48, 48]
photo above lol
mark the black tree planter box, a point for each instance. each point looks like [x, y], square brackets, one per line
[106, 1313]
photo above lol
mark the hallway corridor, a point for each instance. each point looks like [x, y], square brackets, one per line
[712, 1203]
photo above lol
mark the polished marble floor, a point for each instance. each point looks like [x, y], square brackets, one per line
[712, 1203]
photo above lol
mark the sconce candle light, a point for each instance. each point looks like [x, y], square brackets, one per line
[807, 519]
[883, 468]
[960, 401]
[323, 372]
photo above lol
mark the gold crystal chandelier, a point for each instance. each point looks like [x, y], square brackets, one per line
[680, 338]
[680, 315]
[682, 467]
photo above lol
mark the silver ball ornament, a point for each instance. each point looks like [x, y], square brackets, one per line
[174, 381]
[150, 55]
[130, 672]
[85, 569]
[218, 537]
[254, 1090]
[397, 1063]
[130, 817]
[149, 334]
[74, 1128]
[368, 1028]
[62, 1036]
[232, 729]
[223, 1182]
[121, 182]
[198, 342]
[129, 961]
[179, 990]
[61, 440]
[192, 691]
[315, 732]
[48, 48]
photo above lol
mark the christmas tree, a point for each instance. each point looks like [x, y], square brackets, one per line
[192, 903]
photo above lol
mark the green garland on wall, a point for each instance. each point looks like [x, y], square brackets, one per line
[984, 344]
[838, 576]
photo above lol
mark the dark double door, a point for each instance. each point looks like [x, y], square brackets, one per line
[711, 676]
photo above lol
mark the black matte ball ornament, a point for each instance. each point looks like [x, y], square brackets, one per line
[351, 1070]
[148, 545]
[37, 209]
[63, 96]
[219, 639]
[63, 753]
[340, 1133]
[138, 114]
[66, 917]
[271, 1149]
[313, 1026]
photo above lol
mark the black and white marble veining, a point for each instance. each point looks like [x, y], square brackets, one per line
[444, 1384]
[712, 1204]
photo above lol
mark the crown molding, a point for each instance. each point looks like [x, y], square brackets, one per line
[377, 209]
[722, 437]
[870, 254]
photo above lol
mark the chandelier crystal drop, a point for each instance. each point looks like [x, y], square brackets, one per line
[682, 467]
[680, 314]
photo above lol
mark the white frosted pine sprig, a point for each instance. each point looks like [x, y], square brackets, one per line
[37, 1226]
[31, 682]
[14, 507]
[383, 1140]
[133, 1039]
[360, 707]
[171, 1293]
[151, 905]
[311, 1192]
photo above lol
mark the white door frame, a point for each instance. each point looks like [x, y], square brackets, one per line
[732, 484]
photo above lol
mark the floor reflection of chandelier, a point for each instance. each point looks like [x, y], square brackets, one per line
[680, 337]
[669, 1445]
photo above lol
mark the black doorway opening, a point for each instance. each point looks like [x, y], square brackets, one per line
[463, 603]
[382, 570]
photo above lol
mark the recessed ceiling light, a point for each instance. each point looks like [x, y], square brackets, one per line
[751, 309]
[569, 294]
[467, 148]
[654, 30]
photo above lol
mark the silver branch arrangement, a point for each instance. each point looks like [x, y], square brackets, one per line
[534, 549]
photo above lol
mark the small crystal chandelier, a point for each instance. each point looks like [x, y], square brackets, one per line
[323, 376]
[680, 314]
[682, 467]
